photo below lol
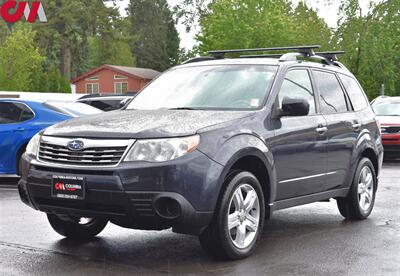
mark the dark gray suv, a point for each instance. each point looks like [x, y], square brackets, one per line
[212, 148]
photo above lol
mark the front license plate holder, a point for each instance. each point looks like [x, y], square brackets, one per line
[68, 187]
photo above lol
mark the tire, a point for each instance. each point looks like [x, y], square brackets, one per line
[360, 201]
[76, 228]
[19, 165]
[222, 243]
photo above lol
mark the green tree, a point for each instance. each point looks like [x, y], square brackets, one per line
[372, 43]
[65, 38]
[309, 28]
[251, 24]
[20, 60]
[155, 39]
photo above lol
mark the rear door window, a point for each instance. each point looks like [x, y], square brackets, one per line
[331, 96]
[355, 92]
[11, 113]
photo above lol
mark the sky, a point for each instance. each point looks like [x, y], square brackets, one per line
[327, 9]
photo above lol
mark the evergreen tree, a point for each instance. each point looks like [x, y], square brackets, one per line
[155, 39]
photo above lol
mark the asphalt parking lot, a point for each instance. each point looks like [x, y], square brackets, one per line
[306, 240]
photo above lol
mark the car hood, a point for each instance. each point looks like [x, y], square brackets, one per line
[139, 124]
[389, 120]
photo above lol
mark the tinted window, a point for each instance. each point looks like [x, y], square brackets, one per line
[14, 113]
[106, 105]
[72, 108]
[387, 108]
[332, 98]
[355, 93]
[297, 85]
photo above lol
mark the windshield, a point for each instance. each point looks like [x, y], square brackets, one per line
[208, 87]
[73, 109]
[387, 108]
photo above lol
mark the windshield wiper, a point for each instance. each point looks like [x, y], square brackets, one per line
[183, 108]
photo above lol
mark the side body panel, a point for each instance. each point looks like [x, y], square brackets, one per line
[14, 137]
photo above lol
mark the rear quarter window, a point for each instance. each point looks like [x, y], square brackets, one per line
[356, 95]
[13, 112]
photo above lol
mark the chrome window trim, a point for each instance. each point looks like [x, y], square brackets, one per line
[89, 143]
[19, 102]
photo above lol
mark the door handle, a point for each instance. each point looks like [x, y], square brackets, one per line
[19, 129]
[322, 130]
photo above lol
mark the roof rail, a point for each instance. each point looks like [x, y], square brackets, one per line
[198, 59]
[332, 56]
[328, 57]
[307, 50]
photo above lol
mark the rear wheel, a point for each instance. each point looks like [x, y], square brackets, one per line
[360, 201]
[76, 228]
[238, 220]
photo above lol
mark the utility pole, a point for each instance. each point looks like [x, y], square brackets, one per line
[383, 89]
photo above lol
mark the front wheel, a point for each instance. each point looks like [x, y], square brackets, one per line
[76, 228]
[238, 220]
[360, 201]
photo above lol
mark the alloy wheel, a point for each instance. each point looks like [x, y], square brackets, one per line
[243, 216]
[365, 188]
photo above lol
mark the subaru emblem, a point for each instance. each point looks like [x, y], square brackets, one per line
[75, 145]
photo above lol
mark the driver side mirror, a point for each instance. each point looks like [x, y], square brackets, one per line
[294, 107]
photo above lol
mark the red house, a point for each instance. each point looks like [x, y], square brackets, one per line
[111, 79]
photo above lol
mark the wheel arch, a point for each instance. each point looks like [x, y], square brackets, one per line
[254, 161]
[19, 153]
[367, 148]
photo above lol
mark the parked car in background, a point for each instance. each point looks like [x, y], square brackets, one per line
[388, 111]
[107, 103]
[20, 120]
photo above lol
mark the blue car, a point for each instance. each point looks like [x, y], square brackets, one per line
[20, 120]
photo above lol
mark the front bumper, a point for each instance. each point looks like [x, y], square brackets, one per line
[132, 195]
[391, 143]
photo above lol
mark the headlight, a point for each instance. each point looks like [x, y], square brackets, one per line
[33, 145]
[161, 150]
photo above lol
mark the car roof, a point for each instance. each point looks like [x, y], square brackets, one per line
[21, 100]
[387, 99]
[104, 98]
[266, 61]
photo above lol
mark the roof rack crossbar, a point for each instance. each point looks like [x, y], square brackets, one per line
[308, 50]
[262, 56]
[332, 56]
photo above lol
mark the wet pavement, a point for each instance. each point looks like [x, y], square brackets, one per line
[308, 240]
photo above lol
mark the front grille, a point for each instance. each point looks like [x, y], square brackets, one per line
[393, 129]
[143, 204]
[95, 152]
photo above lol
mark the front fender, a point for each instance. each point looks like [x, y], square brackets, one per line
[243, 145]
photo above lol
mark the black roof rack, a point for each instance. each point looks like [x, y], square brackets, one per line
[198, 59]
[307, 50]
[293, 52]
[330, 57]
